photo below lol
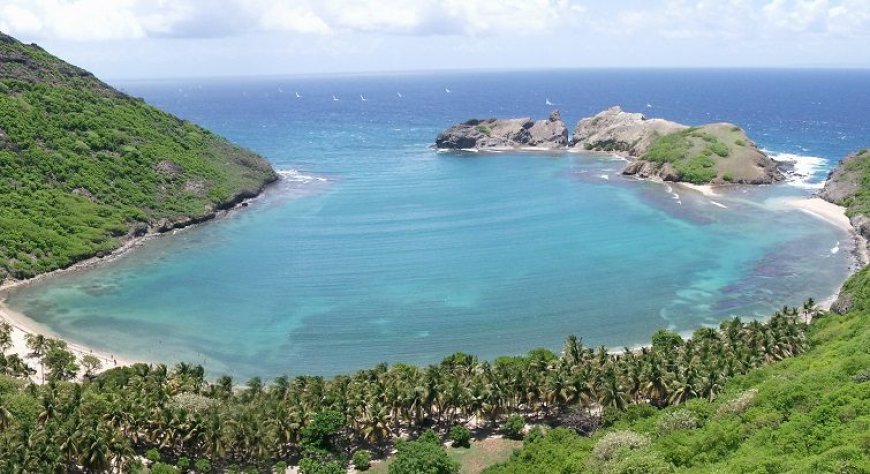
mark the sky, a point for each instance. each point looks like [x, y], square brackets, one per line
[138, 39]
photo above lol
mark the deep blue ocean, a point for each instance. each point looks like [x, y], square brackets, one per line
[376, 248]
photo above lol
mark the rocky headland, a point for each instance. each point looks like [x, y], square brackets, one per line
[497, 134]
[715, 153]
[846, 187]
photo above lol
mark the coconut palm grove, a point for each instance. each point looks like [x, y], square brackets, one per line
[86, 169]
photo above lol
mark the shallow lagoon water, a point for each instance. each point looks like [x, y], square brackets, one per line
[376, 248]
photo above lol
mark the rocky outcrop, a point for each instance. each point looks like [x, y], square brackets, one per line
[844, 181]
[713, 153]
[494, 134]
[619, 131]
[843, 187]
[717, 153]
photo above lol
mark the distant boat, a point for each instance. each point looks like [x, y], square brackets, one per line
[547, 102]
[363, 98]
[298, 96]
[399, 94]
[446, 90]
[648, 105]
[280, 90]
[334, 99]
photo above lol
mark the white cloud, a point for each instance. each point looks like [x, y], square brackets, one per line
[79, 20]
[283, 17]
[84, 20]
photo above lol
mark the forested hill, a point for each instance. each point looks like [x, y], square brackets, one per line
[83, 166]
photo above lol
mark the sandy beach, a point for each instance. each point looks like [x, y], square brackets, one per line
[22, 326]
[705, 189]
[822, 209]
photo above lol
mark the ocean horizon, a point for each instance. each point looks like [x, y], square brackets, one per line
[375, 247]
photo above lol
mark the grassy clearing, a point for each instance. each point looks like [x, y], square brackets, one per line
[482, 453]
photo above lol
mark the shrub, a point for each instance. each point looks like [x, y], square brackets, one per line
[728, 177]
[312, 465]
[163, 468]
[740, 142]
[429, 436]
[699, 169]
[738, 404]
[183, 464]
[484, 130]
[675, 421]
[668, 148]
[362, 460]
[136, 467]
[460, 436]
[202, 466]
[513, 427]
[719, 148]
[422, 456]
[535, 433]
[639, 462]
[152, 455]
[608, 446]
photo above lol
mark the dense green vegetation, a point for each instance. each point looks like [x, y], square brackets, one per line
[690, 152]
[806, 414]
[857, 167]
[319, 423]
[82, 166]
[716, 152]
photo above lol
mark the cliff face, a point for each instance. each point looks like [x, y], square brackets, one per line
[712, 153]
[551, 133]
[84, 167]
[616, 130]
[846, 186]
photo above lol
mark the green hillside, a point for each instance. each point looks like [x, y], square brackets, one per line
[719, 152]
[83, 166]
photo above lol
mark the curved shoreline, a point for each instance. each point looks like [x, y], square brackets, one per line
[22, 325]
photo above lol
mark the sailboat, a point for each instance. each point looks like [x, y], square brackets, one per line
[399, 94]
[446, 90]
[334, 99]
[363, 98]
[547, 102]
[298, 96]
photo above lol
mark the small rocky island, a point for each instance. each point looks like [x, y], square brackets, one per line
[497, 134]
[657, 148]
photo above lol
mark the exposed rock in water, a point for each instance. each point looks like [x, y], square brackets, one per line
[615, 130]
[713, 153]
[493, 133]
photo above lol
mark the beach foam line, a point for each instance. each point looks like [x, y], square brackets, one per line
[719, 204]
[806, 169]
[297, 177]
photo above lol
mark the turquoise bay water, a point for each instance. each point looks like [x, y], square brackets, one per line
[375, 248]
